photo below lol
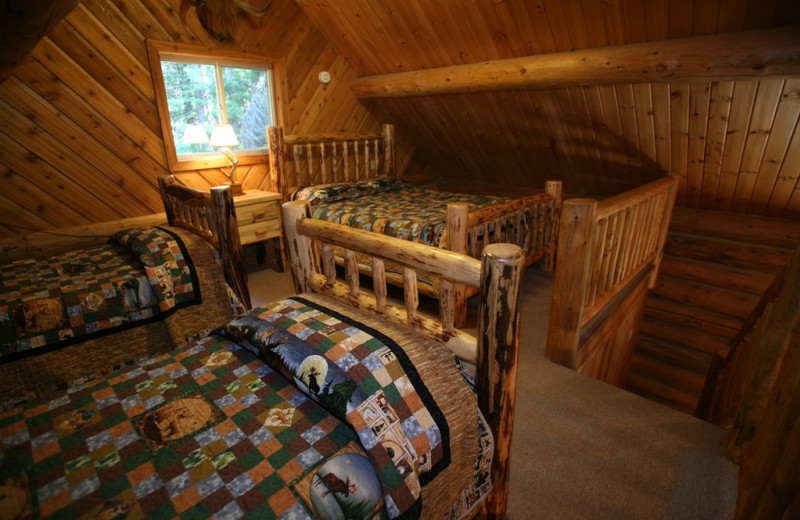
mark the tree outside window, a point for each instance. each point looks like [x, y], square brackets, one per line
[200, 90]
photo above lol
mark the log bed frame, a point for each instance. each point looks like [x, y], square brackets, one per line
[497, 276]
[212, 216]
[299, 161]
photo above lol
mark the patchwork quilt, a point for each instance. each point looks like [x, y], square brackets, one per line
[295, 411]
[390, 206]
[141, 275]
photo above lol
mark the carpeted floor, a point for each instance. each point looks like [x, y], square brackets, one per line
[586, 450]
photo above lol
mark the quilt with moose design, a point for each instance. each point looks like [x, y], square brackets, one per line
[294, 411]
[139, 276]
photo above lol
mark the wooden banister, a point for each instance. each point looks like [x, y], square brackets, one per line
[608, 254]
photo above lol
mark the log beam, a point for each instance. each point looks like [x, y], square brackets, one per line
[729, 56]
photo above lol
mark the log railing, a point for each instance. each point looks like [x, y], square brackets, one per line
[530, 222]
[609, 252]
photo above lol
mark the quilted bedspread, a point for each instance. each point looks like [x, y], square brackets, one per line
[47, 303]
[216, 429]
[390, 206]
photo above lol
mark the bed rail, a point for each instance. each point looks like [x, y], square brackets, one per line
[328, 158]
[211, 215]
[538, 239]
[494, 351]
[609, 253]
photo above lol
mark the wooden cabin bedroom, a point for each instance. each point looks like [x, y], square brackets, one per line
[257, 254]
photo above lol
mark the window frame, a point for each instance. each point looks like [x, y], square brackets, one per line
[158, 50]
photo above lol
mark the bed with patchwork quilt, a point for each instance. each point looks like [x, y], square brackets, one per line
[149, 288]
[352, 179]
[296, 410]
[331, 404]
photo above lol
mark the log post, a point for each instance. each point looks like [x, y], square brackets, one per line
[768, 478]
[498, 351]
[388, 150]
[669, 204]
[571, 280]
[276, 166]
[555, 190]
[457, 222]
[303, 258]
[230, 246]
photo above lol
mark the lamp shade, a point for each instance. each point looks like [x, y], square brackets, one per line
[194, 134]
[223, 135]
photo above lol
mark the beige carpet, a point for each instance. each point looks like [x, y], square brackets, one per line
[586, 450]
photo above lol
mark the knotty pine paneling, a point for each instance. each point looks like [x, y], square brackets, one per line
[729, 142]
[81, 140]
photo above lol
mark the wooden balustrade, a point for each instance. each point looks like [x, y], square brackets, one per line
[609, 252]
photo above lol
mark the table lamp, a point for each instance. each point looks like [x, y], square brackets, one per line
[223, 136]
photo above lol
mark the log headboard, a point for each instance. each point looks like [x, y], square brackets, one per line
[297, 161]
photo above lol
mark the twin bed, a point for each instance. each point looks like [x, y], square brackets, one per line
[144, 290]
[334, 400]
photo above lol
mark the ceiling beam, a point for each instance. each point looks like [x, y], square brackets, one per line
[728, 56]
[22, 24]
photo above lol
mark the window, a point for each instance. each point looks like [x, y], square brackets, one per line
[197, 88]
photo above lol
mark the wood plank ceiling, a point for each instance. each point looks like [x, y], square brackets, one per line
[734, 144]
[81, 142]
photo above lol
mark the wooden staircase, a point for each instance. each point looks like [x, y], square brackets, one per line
[718, 271]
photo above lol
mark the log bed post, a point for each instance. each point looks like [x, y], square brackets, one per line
[304, 257]
[230, 245]
[276, 165]
[388, 150]
[555, 190]
[498, 351]
[457, 222]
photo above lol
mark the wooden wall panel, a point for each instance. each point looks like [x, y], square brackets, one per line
[86, 91]
[81, 140]
[599, 140]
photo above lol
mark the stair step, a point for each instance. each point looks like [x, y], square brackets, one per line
[726, 252]
[734, 226]
[687, 337]
[678, 355]
[711, 273]
[706, 297]
[667, 373]
[682, 315]
[662, 393]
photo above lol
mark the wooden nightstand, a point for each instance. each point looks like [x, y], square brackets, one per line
[258, 216]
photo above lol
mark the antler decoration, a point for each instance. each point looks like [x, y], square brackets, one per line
[218, 17]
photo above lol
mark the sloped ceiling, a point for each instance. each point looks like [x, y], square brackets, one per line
[733, 144]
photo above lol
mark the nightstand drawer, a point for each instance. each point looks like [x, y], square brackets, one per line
[259, 231]
[247, 214]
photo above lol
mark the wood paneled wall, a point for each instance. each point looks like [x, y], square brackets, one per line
[81, 140]
[733, 144]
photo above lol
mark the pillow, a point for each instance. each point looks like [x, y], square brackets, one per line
[333, 192]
